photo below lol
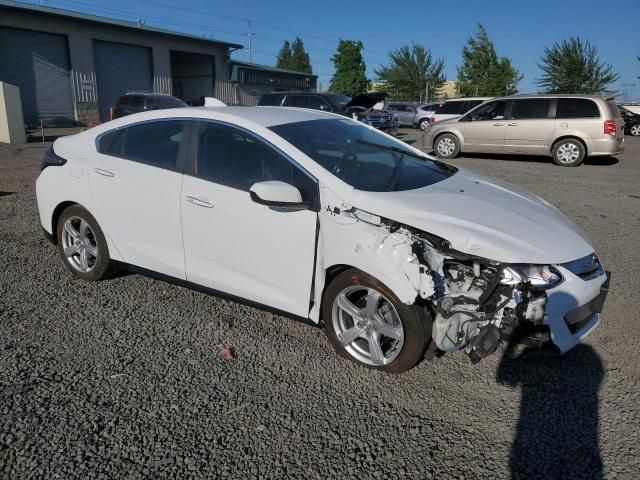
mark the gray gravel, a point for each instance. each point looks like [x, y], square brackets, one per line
[125, 379]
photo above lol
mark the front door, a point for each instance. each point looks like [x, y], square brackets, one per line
[135, 182]
[235, 245]
[485, 127]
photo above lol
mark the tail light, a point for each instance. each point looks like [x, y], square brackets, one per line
[609, 127]
[50, 159]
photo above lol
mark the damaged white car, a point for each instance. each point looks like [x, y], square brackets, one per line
[324, 219]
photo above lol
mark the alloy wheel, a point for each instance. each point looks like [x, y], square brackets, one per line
[446, 147]
[79, 244]
[635, 130]
[568, 153]
[367, 325]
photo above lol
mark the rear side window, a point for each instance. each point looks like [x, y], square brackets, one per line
[237, 159]
[111, 143]
[451, 108]
[577, 108]
[530, 108]
[137, 101]
[154, 143]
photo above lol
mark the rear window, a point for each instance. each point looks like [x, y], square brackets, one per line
[613, 108]
[530, 108]
[452, 108]
[577, 108]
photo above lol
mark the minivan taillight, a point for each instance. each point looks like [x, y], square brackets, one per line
[50, 159]
[609, 127]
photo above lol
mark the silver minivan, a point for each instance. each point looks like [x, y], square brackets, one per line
[568, 128]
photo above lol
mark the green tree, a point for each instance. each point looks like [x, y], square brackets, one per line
[410, 71]
[482, 73]
[349, 77]
[285, 56]
[573, 66]
[300, 61]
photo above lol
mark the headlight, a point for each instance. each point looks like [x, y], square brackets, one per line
[539, 276]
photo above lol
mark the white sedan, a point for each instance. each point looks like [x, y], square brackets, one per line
[327, 220]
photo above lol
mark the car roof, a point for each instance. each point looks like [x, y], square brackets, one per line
[466, 99]
[556, 95]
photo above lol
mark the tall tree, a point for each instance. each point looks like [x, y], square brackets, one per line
[410, 72]
[285, 56]
[349, 77]
[481, 72]
[573, 66]
[300, 61]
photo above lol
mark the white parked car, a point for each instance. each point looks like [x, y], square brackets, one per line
[325, 219]
[454, 108]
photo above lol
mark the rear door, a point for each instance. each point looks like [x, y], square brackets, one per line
[135, 182]
[529, 126]
[484, 128]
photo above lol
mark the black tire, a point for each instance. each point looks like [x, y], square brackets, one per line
[568, 152]
[416, 322]
[447, 146]
[99, 266]
[423, 124]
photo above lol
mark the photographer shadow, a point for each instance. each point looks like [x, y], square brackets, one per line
[557, 433]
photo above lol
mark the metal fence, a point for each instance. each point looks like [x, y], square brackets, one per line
[231, 94]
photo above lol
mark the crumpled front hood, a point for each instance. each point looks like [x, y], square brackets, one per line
[484, 217]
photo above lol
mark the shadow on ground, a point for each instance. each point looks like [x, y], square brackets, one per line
[603, 161]
[557, 434]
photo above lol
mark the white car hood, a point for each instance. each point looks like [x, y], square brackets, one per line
[484, 217]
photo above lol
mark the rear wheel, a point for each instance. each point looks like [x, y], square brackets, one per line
[568, 153]
[447, 146]
[424, 124]
[365, 322]
[82, 244]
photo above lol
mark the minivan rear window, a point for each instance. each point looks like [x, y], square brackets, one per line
[613, 108]
[577, 108]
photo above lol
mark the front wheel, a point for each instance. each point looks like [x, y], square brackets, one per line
[82, 244]
[635, 130]
[365, 322]
[568, 153]
[447, 146]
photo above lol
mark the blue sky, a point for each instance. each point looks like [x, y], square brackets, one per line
[518, 29]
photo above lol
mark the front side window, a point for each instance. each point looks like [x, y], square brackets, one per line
[363, 157]
[530, 108]
[577, 108]
[489, 111]
[237, 159]
[154, 143]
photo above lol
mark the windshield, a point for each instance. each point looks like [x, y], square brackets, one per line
[338, 100]
[363, 157]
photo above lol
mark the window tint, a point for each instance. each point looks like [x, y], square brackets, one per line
[318, 103]
[530, 108]
[577, 108]
[489, 111]
[137, 101]
[270, 100]
[469, 104]
[155, 143]
[170, 102]
[237, 159]
[452, 108]
[111, 143]
[150, 102]
[363, 157]
[124, 101]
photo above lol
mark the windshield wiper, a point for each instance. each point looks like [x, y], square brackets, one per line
[392, 149]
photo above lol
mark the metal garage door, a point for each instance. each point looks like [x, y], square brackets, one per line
[119, 68]
[38, 64]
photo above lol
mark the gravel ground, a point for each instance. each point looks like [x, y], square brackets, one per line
[124, 378]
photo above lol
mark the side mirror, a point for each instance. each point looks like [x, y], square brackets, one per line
[274, 193]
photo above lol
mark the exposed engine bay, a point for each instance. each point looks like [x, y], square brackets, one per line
[474, 302]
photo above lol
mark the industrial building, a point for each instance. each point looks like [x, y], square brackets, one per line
[71, 67]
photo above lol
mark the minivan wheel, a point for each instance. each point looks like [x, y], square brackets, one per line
[365, 322]
[82, 244]
[447, 146]
[568, 153]
[635, 130]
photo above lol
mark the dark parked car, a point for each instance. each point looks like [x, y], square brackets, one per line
[141, 102]
[631, 122]
[359, 107]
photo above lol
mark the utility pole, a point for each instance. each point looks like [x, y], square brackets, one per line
[426, 92]
[250, 43]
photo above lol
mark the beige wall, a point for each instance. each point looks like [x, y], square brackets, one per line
[11, 120]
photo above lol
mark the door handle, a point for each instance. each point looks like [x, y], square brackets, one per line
[513, 124]
[498, 124]
[199, 201]
[104, 173]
